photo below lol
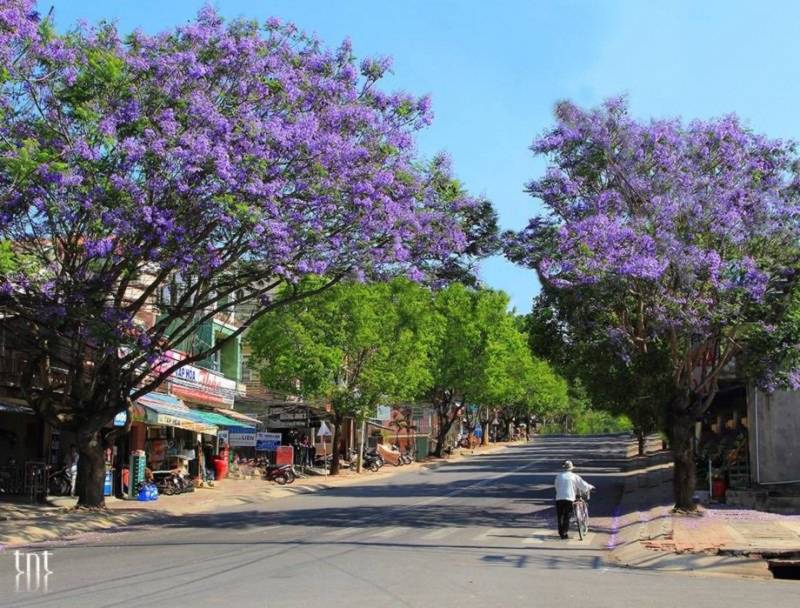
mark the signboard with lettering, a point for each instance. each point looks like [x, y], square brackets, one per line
[197, 384]
[267, 442]
[241, 438]
[121, 419]
[287, 417]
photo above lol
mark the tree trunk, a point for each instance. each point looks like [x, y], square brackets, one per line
[684, 478]
[640, 437]
[335, 439]
[91, 470]
[445, 424]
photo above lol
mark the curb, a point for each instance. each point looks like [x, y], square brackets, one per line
[633, 528]
[71, 524]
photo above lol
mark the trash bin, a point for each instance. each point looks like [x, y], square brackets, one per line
[108, 484]
[220, 468]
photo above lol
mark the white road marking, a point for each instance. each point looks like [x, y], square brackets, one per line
[390, 532]
[487, 533]
[539, 535]
[343, 532]
[587, 540]
[440, 533]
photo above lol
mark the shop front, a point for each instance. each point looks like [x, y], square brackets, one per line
[22, 441]
[167, 437]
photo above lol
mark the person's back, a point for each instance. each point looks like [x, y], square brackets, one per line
[568, 486]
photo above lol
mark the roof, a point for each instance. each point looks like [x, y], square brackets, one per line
[166, 410]
[228, 413]
[220, 420]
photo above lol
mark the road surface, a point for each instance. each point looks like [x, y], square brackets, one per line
[479, 531]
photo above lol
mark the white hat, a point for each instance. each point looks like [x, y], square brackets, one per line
[567, 465]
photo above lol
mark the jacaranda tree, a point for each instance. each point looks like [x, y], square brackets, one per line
[675, 237]
[198, 171]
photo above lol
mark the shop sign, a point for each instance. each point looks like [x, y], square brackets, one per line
[287, 417]
[284, 455]
[121, 419]
[197, 384]
[242, 439]
[384, 412]
[267, 442]
[222, 437]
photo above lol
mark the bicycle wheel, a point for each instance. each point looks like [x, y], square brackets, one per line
[580, 519]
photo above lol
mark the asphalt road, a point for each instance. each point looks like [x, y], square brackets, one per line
[475, 532]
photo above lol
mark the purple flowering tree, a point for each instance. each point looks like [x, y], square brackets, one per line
[672, 239]
[191, 174]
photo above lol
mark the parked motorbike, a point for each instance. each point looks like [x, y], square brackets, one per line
[59, 482]
[407, 457]
[173, 483]
[280, 474]
[372, 461]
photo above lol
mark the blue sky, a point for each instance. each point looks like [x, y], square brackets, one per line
[495, 69]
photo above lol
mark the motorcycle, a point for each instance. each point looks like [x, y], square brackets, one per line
[173, 483]
[60, 482]
[280, 474]
[372, 461]
[407, 457]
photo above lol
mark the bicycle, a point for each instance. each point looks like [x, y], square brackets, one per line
[580, 511]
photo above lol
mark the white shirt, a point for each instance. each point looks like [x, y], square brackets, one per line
[569, 484]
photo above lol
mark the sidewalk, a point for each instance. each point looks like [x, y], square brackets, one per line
[716, 540]
[22, 523]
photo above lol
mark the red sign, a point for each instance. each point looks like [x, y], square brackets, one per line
[284, 455]
[196, 383]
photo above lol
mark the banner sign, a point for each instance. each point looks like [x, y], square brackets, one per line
[284, 455]
[287, 417]
[241, 439]
[195, 383]
[267, 442]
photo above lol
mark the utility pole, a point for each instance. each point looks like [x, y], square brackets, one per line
[361, 444]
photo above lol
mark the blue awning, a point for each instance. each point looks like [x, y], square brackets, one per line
[166, 410]
[15, 406]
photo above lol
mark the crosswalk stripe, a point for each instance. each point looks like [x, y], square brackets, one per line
[440, 533]
[539, 535]
[388, 533]
[342, 532]
[487, 533]
[587, 540]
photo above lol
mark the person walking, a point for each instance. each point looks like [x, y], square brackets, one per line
[71, 464]
[568, 486]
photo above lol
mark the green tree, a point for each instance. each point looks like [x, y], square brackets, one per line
[466, 319]
[632, 387]
[481, 360]
[354, 346]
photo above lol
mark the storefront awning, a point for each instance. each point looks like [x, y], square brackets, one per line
[238, 416]
[220, 420]
[166, 410]
[15, 406]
